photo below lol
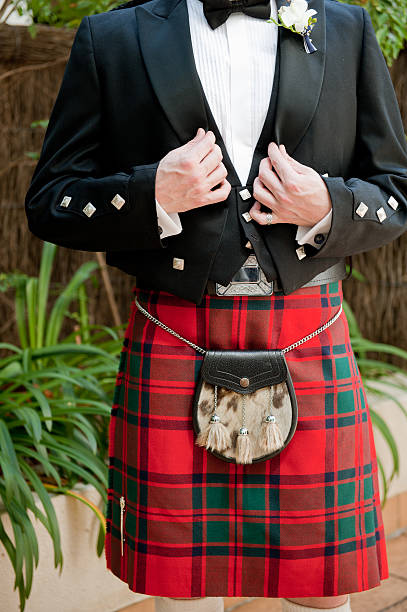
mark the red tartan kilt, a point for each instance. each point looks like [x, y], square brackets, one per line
[306, 523]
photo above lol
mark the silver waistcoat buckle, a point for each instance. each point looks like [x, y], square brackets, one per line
[248, 280]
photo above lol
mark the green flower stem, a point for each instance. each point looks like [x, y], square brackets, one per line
[271, 20]
[311, 21]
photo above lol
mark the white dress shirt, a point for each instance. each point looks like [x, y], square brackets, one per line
[236, 64]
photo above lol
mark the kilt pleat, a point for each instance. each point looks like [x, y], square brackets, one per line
[306, 523]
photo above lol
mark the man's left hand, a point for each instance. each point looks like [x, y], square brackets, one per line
[293, 192]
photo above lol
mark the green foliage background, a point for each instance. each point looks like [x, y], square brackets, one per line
[389, 17]
[62, 13]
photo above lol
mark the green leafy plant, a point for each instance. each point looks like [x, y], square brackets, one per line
[55, 402]
[57, 13]
[389, 18]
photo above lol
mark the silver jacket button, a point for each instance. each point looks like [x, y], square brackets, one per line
[118, 201]
[66, 201]
[393, 203]
[245, 194]
[89, 209]
[362, 209]
[301, 252]
[178, 263]
[381, 214]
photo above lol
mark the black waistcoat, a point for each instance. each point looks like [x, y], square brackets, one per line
[232, 251]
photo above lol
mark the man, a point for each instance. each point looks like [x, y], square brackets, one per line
[265, 166]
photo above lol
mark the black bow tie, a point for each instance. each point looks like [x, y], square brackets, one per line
[217, 11]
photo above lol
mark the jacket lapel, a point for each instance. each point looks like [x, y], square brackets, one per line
[301, 76]
[167, 51]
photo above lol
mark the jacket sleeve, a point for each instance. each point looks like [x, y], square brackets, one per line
[70, 201]
[370, 210]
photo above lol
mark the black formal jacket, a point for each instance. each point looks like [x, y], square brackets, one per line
[131, 93]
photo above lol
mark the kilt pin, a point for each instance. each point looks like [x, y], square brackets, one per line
[307, 522]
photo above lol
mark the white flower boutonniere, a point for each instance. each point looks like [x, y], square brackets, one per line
[298, 18]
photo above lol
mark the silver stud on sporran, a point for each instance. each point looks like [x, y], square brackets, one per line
[270, 418]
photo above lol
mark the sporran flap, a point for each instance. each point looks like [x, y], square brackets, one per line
[244, 371]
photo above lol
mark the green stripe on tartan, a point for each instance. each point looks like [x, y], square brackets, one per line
[251, 479]
[222, 550]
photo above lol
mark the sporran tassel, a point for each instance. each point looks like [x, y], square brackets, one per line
[243, 444]
[243, 447]
[215, 436]
[271, 437]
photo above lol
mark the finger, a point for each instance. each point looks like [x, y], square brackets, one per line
[284, 152]
[297, 166]
[261, 217]
[212, 160]
[269, 180]
[217, 176]
[201, 148]
[284, 169]
[199, 134]
[217, 195]
[263, 195]
[287, 157]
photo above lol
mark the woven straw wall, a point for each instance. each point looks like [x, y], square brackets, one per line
[30, 74]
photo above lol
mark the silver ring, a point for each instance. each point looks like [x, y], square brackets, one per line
[269, 218]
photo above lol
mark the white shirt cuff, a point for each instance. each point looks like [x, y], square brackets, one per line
[307, 234]
[169, 223]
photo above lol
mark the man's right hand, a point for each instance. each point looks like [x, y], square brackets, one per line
[186, 176]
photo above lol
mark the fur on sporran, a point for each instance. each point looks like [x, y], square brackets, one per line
[263, 437]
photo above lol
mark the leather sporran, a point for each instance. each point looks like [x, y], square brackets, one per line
[244, 409]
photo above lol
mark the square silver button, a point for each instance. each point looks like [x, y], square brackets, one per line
[301, 252]
[246, 216]
[362, 209]
[393, 203]
[89, 209]
[245, 194]
[66, 201]
[118, 201]
[178, 263]
[381, 214]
